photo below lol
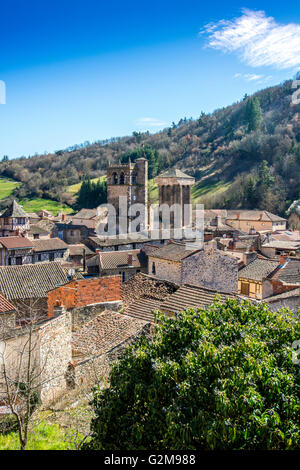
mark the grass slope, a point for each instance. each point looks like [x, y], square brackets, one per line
[7, 186]
[43, 437]
[74, 188]
[37, 204]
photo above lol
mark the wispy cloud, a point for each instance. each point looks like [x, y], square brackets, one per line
[257, 39]
[251, 77]
[150, 122]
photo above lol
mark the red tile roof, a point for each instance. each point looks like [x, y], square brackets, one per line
[12, 243]
[5, 305]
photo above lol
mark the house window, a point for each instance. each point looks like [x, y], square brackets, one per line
[123, 276]
[244, 288]
[36, 236]
[9, 261]
[39, 257]
[72, 233]
[51, 256]
[19, 260]
[153, 268]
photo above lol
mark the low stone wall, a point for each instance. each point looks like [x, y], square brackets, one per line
[89, 371]
[81, 315]
[55, 353]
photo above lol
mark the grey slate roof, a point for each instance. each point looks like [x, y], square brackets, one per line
[14, 210]
[174, 173]
[188, 296]
[290, 272]
[118, 259]
[253, 215]
[173, 252]
[37, 230]
[258, 269]
[31, 280]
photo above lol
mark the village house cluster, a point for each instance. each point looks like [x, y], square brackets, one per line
[94, 295]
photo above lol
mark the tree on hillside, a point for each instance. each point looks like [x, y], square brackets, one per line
[225, 377]
[91, 194]
[253, 114]
[155, 160]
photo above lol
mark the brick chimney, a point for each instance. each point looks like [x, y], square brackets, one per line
[237, 216]
[130, 259]
[63, 217]
[283, 259]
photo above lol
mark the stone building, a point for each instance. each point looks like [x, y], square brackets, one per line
[15, 250]
[175, 188]
[255, 220]
[131, 182]
[124, 263]
[209, 267]
[28, 285]
[51, 249]
[293, 214]
[51, 352]
[14, 221]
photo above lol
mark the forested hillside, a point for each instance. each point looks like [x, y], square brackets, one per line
[245, 155]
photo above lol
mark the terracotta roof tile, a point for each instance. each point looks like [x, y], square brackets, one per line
[5, 305]
[12, 243]
[49, 244]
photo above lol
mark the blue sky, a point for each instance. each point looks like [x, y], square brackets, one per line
[89, 70]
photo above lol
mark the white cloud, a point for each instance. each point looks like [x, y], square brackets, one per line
[257, 39]
[251, 77]
[150, 122]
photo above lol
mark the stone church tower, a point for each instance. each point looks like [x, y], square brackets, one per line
[175, 188]
[129, 180]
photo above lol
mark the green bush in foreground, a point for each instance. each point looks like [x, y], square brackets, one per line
[220, 378]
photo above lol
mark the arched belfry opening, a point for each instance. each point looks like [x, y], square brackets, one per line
[115, 178]
[122, 178]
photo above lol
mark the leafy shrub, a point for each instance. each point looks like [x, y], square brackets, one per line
[215, 378]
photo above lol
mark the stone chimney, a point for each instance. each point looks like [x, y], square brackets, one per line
[249, 256]
[219, 221]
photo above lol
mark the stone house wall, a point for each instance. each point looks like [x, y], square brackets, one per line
[165, 269]
[87, 372]
[55, 338]
[290, 302]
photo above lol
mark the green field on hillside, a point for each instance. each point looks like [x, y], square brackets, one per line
[208, 188]
[7, 186]
[37, 204]
[74, 188]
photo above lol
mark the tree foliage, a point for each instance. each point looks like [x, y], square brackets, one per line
[217, 378]
[92, 194]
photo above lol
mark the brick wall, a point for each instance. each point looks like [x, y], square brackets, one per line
[79, 293]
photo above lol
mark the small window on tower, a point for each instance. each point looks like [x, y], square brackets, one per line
[122, 178]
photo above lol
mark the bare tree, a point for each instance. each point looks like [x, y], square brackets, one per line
[21, 371]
